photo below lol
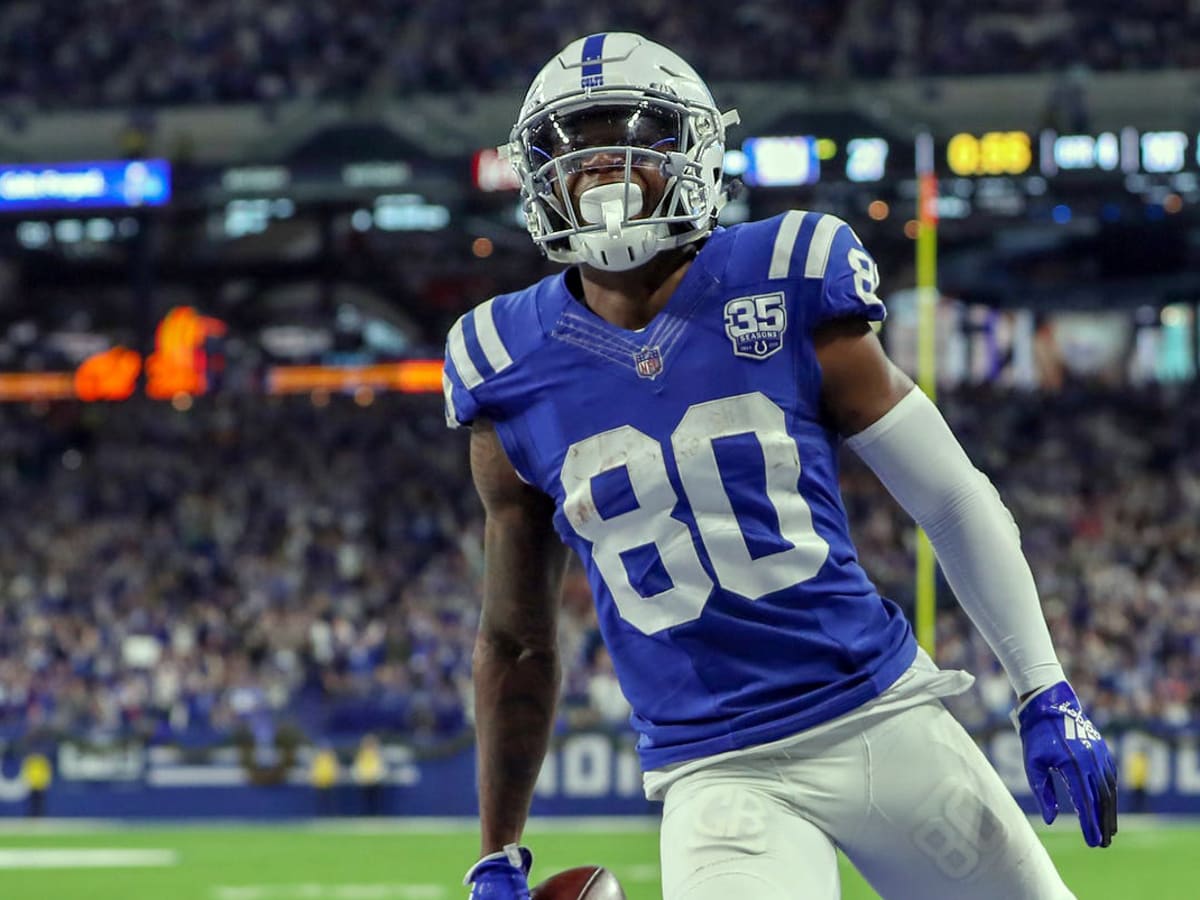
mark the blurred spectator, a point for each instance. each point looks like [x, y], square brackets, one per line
[1137, 775]
[323, 774]
[369, 773]
[37, 774]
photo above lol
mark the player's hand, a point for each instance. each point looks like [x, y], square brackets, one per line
[503, 875]
[1058, 737]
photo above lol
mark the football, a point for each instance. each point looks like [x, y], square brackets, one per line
[582, 883]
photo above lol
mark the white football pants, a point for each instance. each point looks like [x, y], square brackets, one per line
[909, 798]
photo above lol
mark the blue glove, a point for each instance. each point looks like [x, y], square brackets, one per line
[1058, 737]
[503, 875]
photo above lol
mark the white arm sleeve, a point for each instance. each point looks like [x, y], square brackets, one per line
[924, 467]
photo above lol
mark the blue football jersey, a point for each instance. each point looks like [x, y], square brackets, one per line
[694, 475]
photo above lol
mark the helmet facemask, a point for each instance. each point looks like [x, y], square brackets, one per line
[623, 130]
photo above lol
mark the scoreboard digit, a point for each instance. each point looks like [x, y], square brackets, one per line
[993, 153]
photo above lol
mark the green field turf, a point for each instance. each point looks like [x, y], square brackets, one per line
[381, 861]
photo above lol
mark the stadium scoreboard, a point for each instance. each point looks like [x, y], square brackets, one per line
[1126, 151]
[778, 161]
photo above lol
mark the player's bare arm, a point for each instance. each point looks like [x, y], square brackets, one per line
[516, 665]
[859, 383]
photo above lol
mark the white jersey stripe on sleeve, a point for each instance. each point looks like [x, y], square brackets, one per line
[785, 242]
[489, 338]
[819, 246]
[461, 358]
[448, 394]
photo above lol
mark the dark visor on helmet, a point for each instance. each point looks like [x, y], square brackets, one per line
[641, 126]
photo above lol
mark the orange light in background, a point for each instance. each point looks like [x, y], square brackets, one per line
[364, 396]
[179, 364]
[419, 376]
[482, 247]
[911, 227]
[1172, 203]
[878, 210]
[110, 375]
[415, 376]
[36, 386]
[927, 199]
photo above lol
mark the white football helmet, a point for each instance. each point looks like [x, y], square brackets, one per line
[634, 101]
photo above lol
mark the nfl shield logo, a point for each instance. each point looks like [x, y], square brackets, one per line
[648, 362]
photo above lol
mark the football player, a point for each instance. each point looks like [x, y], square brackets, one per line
[670, 407]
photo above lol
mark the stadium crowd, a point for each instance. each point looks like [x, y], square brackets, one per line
[157, 52]
[152, 52]
[178, 576]
[933, 37]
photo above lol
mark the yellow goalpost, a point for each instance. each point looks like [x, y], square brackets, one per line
[927, 299]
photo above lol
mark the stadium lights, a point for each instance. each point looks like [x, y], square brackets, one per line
[781, 161]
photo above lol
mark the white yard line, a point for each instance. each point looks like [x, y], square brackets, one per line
[85, 858]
